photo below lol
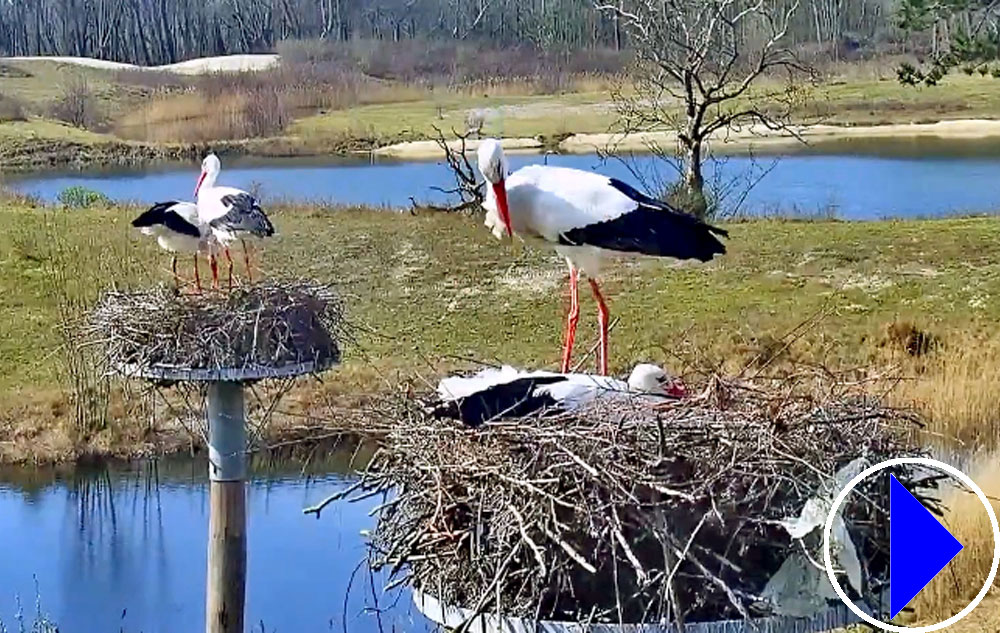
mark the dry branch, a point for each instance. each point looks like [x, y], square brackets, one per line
[468, 188]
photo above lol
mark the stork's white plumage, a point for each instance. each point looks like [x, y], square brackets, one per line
[231, 214]
[177, 228]
[588, 218]
[506, 392]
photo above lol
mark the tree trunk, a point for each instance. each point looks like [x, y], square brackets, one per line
[694, 181]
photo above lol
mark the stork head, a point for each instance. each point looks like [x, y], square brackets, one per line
[493, 165]
[209, 171]
[646, 378]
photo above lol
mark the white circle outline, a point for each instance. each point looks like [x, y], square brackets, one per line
[930, 463]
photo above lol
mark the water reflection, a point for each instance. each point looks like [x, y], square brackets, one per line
[122, 547]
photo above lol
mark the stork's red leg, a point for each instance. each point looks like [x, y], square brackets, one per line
[213, 263]
[246, 260]
[602, 321]
[197, 274]
[572, 319]
[229, 258]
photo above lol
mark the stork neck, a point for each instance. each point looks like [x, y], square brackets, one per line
[209, 182]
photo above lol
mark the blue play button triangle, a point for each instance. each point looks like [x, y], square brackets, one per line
[919, 547]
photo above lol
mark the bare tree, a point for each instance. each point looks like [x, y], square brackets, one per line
[77, 103]
[468, 188]
[706, 67]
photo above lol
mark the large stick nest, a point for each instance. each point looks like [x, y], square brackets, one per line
[266, 326]
[627, 513]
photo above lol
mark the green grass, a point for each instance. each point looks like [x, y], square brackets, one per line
[45, 80]
[432, 292]
[41, 128]
[844, 102]
[506, 116]
[871, 101]
[433, 287]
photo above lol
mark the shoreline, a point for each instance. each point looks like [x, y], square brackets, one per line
[42, 154]
[723, 142]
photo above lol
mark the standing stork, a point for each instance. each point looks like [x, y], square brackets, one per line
[231, 214]
[177, 229]
[588, 218]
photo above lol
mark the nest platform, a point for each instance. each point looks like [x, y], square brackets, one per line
[269, 330]
[677, 514]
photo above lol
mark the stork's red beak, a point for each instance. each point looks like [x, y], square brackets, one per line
[676, 389]
[197, 187]
[500, 189]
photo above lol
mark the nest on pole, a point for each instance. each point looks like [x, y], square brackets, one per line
[271, 329]
[626, 513]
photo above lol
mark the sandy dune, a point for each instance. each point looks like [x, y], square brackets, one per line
[202, 66]
[430, 149]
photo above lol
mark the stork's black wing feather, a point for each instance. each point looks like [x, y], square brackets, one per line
[161, 213]
[508, 400]
[652, 228]
[245, 215]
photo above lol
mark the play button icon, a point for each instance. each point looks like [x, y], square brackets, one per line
[919, 547]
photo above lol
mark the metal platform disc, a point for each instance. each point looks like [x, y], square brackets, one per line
[251, 373]
[451, 617]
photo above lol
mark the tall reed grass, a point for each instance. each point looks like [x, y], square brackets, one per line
[956, 388]
[37, 622]
[951, 590]
[75, 271]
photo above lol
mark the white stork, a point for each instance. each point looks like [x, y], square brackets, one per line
[231, 214]
[494, 394]
[177, 229]
[588, 218]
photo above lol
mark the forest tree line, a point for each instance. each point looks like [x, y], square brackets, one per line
[164, 31]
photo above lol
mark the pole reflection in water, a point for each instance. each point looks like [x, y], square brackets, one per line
[122, 547]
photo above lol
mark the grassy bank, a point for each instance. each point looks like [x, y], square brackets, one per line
[429, 291]
[143, 117]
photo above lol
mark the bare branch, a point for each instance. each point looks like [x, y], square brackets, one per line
[468, 188]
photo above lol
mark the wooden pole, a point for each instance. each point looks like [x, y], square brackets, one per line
[227, 537]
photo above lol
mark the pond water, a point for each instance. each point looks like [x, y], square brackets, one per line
[123, 548]
[850, 180]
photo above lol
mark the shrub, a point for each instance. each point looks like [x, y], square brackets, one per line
[907, 337]
[11, 109]
[13, 72]
[77, 104]
[705, 206]
[78, 197]
[265, 112]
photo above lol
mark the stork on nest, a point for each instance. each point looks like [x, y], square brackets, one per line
[268, 329]
[688, 511]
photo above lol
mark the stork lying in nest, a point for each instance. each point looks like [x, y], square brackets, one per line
[507, 392]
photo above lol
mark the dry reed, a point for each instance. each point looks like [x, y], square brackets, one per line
[966, 518]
